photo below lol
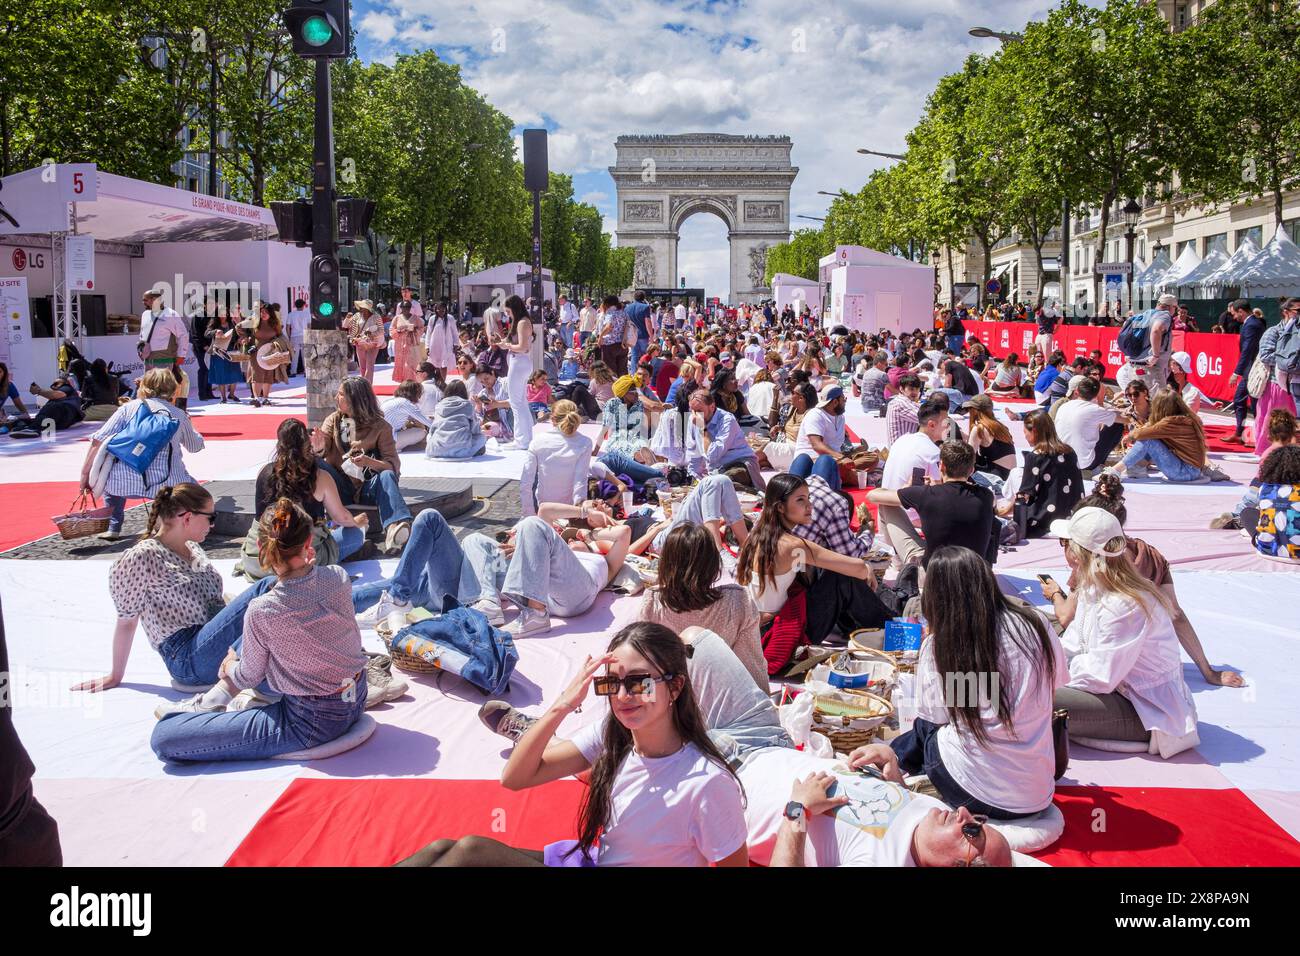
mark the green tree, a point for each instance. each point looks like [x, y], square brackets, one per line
[1243, 116]
[798, 257]
[1101, 96]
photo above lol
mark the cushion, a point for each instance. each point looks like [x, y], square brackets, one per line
[356, 735]
[1112, 746]
[1030, 834]
[1019, 859]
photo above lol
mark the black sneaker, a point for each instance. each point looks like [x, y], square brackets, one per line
[505, 720]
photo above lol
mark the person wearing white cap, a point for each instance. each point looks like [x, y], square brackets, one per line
[1180, 367]
[1126, 690]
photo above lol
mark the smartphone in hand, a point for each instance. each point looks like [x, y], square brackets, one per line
[918, 476]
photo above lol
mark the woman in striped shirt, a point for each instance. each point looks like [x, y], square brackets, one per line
[158, 388]
[300, 640]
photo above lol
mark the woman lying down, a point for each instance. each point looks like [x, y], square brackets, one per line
[691, 768]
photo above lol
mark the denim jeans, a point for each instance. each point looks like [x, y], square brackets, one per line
[292, 723]
[381, 490]
[542, 569]
[1157, 452]
[623, 464]
[955, 342]
[713, 499]
[955, 398]
[349, 541]
[194, 653]
[638, 350]
[431, 569]
[119, 511]
[918, 752]
[826, 467]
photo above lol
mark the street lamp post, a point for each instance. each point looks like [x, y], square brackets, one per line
[814, 218]
[1132, 212]
[876, 152]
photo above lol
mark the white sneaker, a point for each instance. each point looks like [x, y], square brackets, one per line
[190, 705]
[383, 611]
[528, 623]
[250, 699]
[491, 610]
[110, 536]
[396, 536]
[377, 694]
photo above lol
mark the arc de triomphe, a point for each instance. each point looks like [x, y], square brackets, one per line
[661, 181]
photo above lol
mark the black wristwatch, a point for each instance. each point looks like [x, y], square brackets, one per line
[795, 811]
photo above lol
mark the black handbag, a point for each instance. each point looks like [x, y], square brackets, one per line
[1061, 741]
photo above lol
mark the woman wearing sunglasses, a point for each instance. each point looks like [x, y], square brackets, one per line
[660, 792]
[166, 583]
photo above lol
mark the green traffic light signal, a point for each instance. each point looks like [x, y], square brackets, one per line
[326, 309]
[317, 31]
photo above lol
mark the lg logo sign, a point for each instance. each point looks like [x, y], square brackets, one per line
[22, 260]
[1208, 366]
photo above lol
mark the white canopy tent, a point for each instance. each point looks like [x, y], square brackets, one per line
[871, 291]
[1215, 260]
[495, 285]
[82, 238]
[1184, 265]
[1147, 278]
[1228, 274]
[1276, 270]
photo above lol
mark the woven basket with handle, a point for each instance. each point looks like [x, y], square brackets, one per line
[83, 522]
[846, 733]
[408, 663]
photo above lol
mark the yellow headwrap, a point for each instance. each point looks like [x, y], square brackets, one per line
[624, 385]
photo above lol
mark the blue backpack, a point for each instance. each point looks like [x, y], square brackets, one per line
[140, 442]
[1134, 338]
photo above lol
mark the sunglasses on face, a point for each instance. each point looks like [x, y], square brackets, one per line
[210, 515]
[607, 685]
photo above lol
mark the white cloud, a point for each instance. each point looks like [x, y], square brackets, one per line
[594, 198]
[833, 75]
[380, 27]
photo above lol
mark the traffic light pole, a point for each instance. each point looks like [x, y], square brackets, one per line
[538, 317]
[325, 344]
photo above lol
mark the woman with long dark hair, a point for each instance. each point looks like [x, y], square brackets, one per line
[660, 793]
[356, 446]
[688, 593]
[295, 473]
[269, 330]
[985, 681]
[1051, 483]
[519, 346]
[225, 338]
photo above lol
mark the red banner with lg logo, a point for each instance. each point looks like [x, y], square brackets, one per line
[1213, 356]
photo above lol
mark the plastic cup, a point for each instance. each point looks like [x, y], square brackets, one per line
[627, 502]
[665, 502]
[862, 479]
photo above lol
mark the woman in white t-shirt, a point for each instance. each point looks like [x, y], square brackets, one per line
[985, 681]
[1180, 364]
[660, 792]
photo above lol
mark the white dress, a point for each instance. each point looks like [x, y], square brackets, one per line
[441, 338]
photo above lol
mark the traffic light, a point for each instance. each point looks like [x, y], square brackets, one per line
[293, 221]
[319, 27]
[354, 215]
[325, 291]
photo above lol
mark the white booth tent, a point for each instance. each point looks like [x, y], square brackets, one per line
[1173, 278]
[493, 286]
[795, 291]
[91, 242]
[871, 291]
[1275, 271]
[1147, 278]
[1214, 260]
[1227, 274]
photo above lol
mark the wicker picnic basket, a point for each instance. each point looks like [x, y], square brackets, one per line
[407, 663]
[83, 522]
[871, 640]
[851, 719]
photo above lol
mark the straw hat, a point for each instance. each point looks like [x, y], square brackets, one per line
[271, 356]
[365, 304]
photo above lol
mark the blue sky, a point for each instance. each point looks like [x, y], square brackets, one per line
[833, 75]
